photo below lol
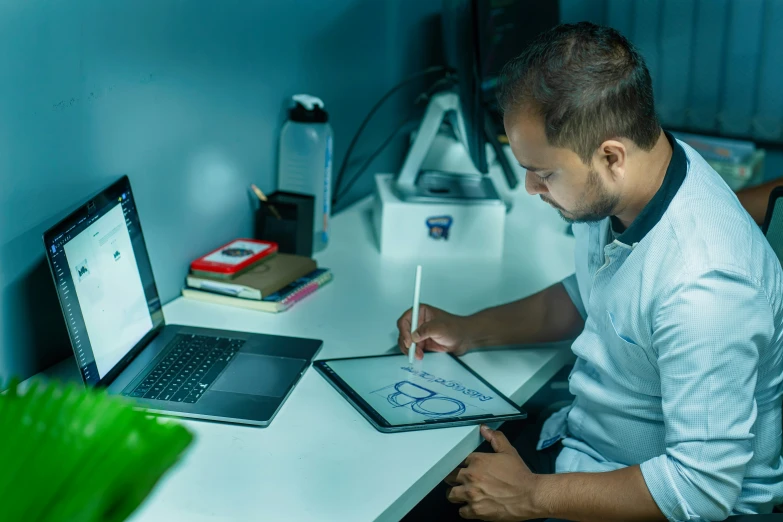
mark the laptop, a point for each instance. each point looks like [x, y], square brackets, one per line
[107, 292]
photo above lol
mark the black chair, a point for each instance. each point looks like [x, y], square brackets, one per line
[773, 222]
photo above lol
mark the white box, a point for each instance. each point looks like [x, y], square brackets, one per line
[432, 230]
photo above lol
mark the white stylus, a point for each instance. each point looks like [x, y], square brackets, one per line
[415, 318]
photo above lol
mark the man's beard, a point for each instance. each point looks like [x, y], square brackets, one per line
[602, 205]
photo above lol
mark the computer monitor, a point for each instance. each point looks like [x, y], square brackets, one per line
[505, 28]
[461, 34]
[479, 37]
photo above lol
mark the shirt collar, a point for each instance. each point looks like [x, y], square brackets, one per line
[653, 211]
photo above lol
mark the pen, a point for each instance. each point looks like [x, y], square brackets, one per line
[260, 195]
[415, 318]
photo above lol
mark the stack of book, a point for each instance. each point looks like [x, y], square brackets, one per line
[264, 280]
[738, 162]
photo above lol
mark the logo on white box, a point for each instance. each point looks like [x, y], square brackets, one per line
[439, 227]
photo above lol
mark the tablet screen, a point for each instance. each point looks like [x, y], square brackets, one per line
[437, 388]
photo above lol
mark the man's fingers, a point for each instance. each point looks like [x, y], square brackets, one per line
[457, 477]
[457, 495]
[467, 512]
[497, 439]
[404, 327]
[424, 314]
[404, 340]
[470, 458]
[425, 331]
[401, 345]
[451, 478]
[404, 322]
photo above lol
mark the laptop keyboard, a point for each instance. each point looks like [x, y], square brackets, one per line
[188, 369]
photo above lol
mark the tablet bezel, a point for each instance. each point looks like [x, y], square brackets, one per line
[379, 421]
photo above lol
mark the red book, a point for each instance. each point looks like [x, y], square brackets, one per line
[233, 258]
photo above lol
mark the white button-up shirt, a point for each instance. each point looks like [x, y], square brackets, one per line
[680, 364]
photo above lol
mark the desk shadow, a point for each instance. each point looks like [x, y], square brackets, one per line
[369, 229]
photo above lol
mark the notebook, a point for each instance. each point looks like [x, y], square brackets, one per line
[276, 302]
[260, 281]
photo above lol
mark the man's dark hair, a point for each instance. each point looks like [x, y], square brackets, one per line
[589, 83]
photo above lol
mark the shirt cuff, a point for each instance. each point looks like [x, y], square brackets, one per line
[572, 289]
[663, 489]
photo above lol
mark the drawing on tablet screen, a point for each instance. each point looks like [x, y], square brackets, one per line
[424, 401]
[451, 385]
[421, 400]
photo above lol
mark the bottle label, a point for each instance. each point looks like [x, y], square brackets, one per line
[327, 188]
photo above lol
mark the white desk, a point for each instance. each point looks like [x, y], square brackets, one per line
[319, 459]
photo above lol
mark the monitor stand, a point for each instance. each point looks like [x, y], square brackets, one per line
[413, 186]
[446, 187]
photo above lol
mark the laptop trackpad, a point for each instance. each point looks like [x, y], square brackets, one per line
[259, 375]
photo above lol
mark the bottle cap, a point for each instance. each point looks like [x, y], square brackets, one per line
[308, 109]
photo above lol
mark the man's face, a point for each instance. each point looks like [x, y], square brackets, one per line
[577, 191]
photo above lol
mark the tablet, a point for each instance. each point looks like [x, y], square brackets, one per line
[437, 392]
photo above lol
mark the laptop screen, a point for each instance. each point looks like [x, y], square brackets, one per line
[104, 281]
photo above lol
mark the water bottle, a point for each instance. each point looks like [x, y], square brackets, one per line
[305, 165]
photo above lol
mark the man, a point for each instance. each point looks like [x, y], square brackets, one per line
[677, 302]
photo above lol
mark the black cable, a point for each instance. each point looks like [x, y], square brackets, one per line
[358, 174]
[445, 82]
[413, 77]
[442, 84]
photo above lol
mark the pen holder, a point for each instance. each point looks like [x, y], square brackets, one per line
[293, 231]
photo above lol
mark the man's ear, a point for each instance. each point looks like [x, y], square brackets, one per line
[612, 156]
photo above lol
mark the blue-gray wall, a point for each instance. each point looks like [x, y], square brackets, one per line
[186, 97]
[716, 65]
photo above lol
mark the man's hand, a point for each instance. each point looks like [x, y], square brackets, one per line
[437, 331]
[495, 486]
